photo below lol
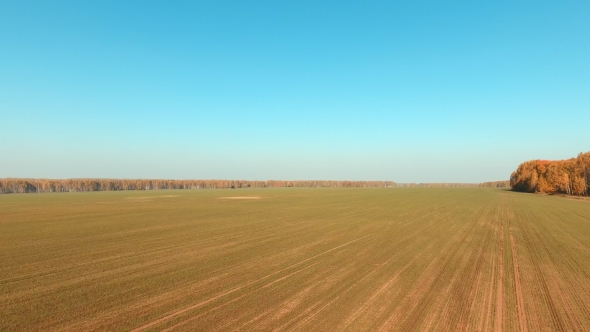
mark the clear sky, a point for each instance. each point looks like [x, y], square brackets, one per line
[409, 91]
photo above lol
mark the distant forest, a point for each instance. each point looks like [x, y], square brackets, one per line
[571, 176]
[73, 185]
[10, 185]
[490, 184]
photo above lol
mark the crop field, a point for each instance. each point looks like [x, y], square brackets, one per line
[387, 259]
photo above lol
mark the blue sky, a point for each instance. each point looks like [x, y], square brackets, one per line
[410, 91]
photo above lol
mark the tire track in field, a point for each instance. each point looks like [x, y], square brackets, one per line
[567, 290]
[257, 289]
[576, 287]
[545, 291]
[279, 226]
[257, 318]
[285, 308]
[191, 287]
[243, 295]
[317, 311]
[342, 293]
[48, 272]
[464, 281]
[558, 299]
[410, 323]
[368, 303]
[499, 322]
[180, 291]
[119, 318]
[484, 323]
[196, 244]
[128, 256]
[307, 311]
[186, 321]
[495, 273]
[236, 289]
[580, 246]
[468, 287]
[575, 212]
[125, 270]
[409, 221]
[388, 283]
[517, 285]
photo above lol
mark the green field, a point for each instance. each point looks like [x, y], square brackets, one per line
[456, 259]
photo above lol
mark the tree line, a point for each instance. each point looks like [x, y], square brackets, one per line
[11, 185]
[496, 184]
[571, 176]
[489, 184]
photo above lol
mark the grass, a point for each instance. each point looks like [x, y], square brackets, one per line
[295, 259]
